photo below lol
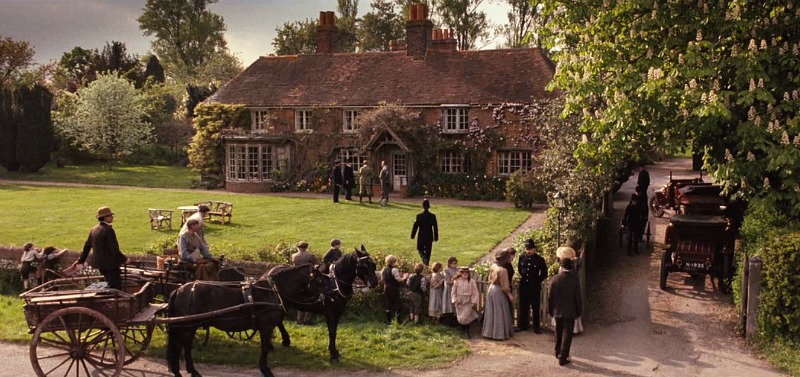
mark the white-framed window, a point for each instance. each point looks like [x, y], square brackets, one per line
[302, 121]
[350, 120]
[455, 119]
[352, 156]
[451, 162]
[255, 162]
[259, 120]
[511, 161]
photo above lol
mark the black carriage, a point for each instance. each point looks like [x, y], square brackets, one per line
[667, 197]
[699, 245]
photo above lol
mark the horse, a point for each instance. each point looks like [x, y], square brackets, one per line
[233, 307]
[336, 292]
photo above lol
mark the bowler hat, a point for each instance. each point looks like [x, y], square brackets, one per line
[529, 244]
[103, 212]
[302, 245]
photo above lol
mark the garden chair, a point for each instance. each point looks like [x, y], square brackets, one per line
[160, 218]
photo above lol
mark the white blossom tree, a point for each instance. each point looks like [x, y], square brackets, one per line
[109, 118]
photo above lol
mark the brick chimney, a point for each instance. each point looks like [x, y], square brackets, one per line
[443, 40]
[327, 33]
[418, 31]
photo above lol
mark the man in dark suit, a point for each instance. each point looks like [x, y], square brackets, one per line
[107, 257]
[532, 271]
[564, 304]
[643, 179]
[349, 181]
[336, 180]
[428, 231]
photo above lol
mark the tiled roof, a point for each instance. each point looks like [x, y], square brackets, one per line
[366, 79]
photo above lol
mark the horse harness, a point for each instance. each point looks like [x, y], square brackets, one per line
[247, 294]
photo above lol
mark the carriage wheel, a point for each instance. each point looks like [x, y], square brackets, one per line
[242, 335]
[137, 339]
[655, 208]
[74, 342]
[664, 271]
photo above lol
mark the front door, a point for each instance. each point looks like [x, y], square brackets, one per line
[399, 170]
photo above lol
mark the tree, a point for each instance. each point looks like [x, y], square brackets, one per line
[109, 118]
[114, 57]
[380, 26]
[296, 38]
[521, 24]
[219, 69]
[8, 131]
[77, 67]
[468, 23]
[347, 25]
[187, 34]
[721, 74]
[35, 133]
[15, 58]
[154, 69]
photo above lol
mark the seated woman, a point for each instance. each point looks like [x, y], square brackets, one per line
[195, 253]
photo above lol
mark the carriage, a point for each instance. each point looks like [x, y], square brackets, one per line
[82, 328]
[668, 196]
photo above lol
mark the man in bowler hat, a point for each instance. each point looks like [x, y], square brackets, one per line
[564, 304]
[337, 180]
[532, 271]
[428, 232]
[107, 257]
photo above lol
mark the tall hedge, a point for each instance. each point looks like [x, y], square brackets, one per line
[8, 132]
[35, 136]
[780, 297]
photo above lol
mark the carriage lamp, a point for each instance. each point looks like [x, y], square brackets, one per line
[558, 199]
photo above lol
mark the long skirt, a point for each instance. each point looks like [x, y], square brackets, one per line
[447, 303]
[496, 315]
[435, 301]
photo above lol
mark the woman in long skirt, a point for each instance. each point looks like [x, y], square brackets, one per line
[436, 293]
[497, 323]
[447, 302]
[465, 299]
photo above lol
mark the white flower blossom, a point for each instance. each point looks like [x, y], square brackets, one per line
[757, 121]
[770, 127]
[728, 155]
[766, 183]
[751, 114]
[704, 98]
[744, 183]
[785, 96]
[715, 85]
[785, 138]
[693, 84]
[763, 45]
[712, 96]
[752, 85]
[761, 83]
[699, 36]
[735, 50]
[796, 140]
[751, 157]
[795, 95]
[680, 59]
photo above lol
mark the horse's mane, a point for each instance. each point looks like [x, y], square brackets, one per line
[282, 269]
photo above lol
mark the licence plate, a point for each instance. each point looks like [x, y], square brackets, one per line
[695, 265]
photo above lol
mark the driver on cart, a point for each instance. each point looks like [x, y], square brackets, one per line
[194, 251]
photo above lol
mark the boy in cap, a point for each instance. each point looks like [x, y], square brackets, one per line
[107, 257]
[333, 254]
[532, 271]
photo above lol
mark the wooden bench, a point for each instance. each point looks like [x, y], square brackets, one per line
[222, 211]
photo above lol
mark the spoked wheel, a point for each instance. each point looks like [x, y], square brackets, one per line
[77, 342]
[137, 339]
[241, 335]
[655, 208]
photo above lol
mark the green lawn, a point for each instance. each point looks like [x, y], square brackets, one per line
[62, 216]
[156, 176]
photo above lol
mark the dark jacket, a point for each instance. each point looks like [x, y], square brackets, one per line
[532, 270]
[337, 175]
[349, 177]
[564, 296]
[428, 229]
[329, 258]
[103, 240]
[643, 179]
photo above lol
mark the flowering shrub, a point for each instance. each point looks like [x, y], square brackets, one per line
[459, 186]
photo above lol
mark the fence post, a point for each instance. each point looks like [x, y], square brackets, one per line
[743, 296]
[753, 291]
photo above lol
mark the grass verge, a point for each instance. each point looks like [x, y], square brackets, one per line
[782, 353]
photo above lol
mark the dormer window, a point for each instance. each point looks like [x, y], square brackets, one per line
[302, 121]
[455, 119]
[259, 120]
[350, 121]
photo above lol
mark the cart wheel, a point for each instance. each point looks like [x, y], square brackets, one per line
[75, 342]
[137, 339]
[242, 335]
[655, 208]
[662, 277]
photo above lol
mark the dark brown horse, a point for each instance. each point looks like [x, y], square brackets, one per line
[336, 292]
[233, 307]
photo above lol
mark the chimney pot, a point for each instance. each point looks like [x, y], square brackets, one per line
[412, 12]
[322, 17]
[422, 12]
[327, 33]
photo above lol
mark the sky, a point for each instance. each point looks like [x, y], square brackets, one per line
[53, 27]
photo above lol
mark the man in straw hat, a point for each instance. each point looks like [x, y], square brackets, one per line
[107, 257]
[564, 304]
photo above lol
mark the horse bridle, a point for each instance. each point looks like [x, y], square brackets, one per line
[336, 281]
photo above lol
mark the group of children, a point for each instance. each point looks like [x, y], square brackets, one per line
[29, 255]
[451, 292]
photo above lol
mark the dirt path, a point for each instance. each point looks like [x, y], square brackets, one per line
[632, 327]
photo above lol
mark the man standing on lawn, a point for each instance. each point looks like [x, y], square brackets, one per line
[383, 176]
[336, 180]
[428, 232]
[107, 257]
